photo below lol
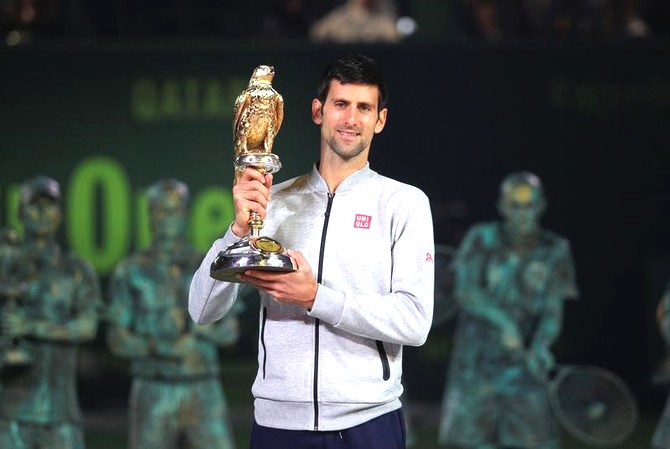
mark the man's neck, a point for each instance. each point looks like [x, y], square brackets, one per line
[334, 169]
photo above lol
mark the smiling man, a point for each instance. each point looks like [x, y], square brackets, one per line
[332, 332]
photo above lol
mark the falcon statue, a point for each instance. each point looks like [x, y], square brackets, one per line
[259, 112]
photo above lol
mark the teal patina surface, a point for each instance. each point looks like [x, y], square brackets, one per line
[512, 277]
[176, 396]
[52, 299]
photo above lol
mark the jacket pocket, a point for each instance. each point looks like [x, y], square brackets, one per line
[265, 354]
[386, 369]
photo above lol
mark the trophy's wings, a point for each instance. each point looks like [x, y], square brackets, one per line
[240, 104]
[593, 404]
[445, 303]
[279, 115]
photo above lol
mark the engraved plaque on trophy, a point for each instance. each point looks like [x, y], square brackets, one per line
[259, 112]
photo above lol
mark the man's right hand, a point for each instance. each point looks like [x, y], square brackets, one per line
[251, 192]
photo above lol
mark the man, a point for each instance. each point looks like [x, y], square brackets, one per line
[56, 312]
[176, 393]
[512, 277]
[332, 332]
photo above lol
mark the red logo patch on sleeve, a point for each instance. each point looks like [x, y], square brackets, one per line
[362, 221]
[429, 257]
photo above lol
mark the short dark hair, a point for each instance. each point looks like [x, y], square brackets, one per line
[353, 68]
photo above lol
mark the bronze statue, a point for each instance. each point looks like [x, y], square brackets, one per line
[176, 393]
[512, 278]
[56, 312]
[14, 283]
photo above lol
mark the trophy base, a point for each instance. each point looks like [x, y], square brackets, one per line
[261, 253]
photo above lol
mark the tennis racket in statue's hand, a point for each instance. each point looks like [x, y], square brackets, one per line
[592, 404]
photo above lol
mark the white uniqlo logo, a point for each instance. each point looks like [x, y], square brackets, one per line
[362, 221]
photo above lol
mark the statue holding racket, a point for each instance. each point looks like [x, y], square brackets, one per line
[511, 280]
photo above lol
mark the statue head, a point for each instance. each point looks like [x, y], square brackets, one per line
[169, 201]
[521, 203]
[40, 206]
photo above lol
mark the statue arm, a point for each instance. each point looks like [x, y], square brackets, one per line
[225, 332]
[124, 343]
[121, 339]
[540, 359]
[561, 286]
[80, 329]
[83, 323]
[471, 295]
[478, 303]
[550, 324]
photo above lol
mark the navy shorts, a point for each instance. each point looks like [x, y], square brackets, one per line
[384, 432]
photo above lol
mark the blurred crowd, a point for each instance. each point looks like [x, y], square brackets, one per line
[336, 21]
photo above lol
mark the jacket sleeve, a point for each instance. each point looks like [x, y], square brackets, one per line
[121, 338]
[209, 299]
[404, 314]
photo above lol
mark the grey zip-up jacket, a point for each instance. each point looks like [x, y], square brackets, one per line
[370, 245]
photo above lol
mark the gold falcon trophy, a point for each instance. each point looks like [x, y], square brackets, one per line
[259, 112]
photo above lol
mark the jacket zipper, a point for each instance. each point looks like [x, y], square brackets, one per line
[319, 277]
[265, 353]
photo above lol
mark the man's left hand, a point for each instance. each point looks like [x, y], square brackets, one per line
[296, 287]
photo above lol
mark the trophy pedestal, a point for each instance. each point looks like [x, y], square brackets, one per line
[250, 253]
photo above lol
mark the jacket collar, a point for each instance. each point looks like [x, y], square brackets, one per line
[352, 182]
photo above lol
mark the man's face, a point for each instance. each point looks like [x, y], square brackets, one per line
[521, 208]
[349, 119]
[168, 216]
[41, 216]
